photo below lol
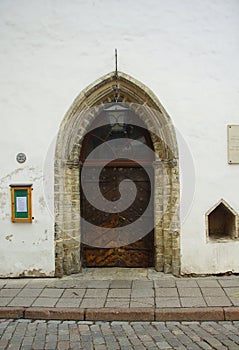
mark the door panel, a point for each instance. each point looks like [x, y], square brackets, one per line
[137, 254]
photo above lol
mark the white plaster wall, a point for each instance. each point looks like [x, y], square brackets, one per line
[185, 51]
[26, 249]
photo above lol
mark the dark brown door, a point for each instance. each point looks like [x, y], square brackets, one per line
[137, 249]
[136, 254]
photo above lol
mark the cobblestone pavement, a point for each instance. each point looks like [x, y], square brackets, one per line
[75, 335]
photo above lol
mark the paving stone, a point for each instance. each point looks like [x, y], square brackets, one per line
[27, 340]
[26, 301]
[73, 293]
[51, 293]
[189, 292]
[193, 302]
[232, 291]
[217, 292]
[208, 283]
[4, 301]
[15, 283]
[32, 292]
[166, 292]
[167, 283]
[142, 293]
[6, 292]
[97, 284]
[142, 302]
[92, 302]
[45, 302]
[163, 345]
[167, 302]
[23, 320]
[234, 301]
[87, 323]
[96, 293]
[26, 347]
[63, 284]
[142, 284]
[69, 302]
[63, 345]
[115, 302]
[3, 282]
[50, 346]
[36, 284]
[217, 301]
[233, 282]
[121, 284]
[186, 283]
[119, 293]
[53, 323]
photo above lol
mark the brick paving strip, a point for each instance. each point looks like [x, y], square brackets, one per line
[161, 299]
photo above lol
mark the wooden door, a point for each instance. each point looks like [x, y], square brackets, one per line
[137, 252]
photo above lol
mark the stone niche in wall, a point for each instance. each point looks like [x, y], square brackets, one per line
[221, 222]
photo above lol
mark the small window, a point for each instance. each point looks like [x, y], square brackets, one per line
[221, 222]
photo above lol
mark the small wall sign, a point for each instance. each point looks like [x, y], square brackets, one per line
[233, 144]
[21, 196]
[21, 158]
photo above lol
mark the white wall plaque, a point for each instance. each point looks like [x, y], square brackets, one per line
[233, 144]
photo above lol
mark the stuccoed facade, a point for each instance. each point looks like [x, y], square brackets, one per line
[180, 59]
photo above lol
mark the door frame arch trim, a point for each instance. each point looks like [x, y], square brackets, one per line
[67, 168]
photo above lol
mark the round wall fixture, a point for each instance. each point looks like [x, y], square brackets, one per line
[21, 157]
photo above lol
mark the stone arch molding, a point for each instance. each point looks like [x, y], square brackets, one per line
[67, 171]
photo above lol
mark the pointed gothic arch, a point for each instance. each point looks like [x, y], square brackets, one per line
[67, 171]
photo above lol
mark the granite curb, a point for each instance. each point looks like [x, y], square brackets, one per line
[122, 314]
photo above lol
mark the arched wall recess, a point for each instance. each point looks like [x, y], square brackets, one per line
[74, 126]
[221, 222]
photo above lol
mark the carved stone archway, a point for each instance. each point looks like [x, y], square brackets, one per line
[67, 171]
